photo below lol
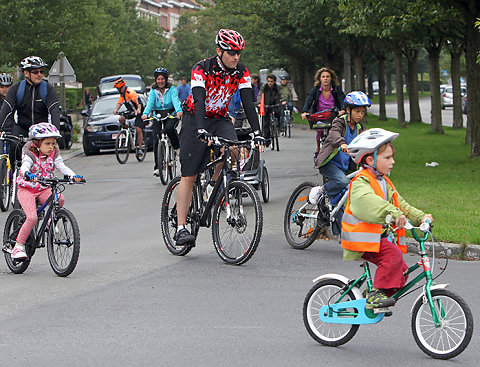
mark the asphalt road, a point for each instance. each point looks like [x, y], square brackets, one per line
[425, 108]
[130, 302]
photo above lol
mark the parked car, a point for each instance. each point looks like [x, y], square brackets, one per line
[447, 96]
[102, 126]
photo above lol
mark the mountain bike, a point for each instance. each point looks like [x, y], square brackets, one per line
[442, 322]
[8, 173]
[274, 126]
[303, 221]
[233, 210]
[58, 231]
[166, 155]
[126, 141]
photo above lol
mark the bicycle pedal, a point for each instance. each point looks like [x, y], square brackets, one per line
[385, 310]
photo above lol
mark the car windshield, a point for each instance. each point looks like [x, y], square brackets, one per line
[105, 107]
[108, 88]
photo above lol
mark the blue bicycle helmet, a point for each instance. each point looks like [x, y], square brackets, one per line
[161, 71]
[356, 99]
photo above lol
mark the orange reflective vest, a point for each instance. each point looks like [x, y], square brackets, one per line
[365, 237]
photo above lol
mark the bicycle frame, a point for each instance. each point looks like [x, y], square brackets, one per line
[366, 277]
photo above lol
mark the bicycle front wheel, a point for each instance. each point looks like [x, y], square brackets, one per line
[168, 218]
[275, 136]
[325, 293]
[4, 186]
[12, 226]
[122, 147]
[300, 222]
[172, 163]
[237, 224]
[162, 162]
[456, 325]
[141, 157]
[63, 243]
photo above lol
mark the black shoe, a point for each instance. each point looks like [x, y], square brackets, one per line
[378, 299]
[185, 238]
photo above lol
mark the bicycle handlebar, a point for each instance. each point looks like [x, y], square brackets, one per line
[5, 136]
[55, 181]
[425, 227]
[157, 118]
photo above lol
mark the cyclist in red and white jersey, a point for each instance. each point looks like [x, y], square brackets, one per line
[214, 82]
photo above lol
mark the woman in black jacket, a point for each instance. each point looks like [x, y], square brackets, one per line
[325, 95]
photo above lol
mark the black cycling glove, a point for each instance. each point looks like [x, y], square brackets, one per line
[204, 135]
[258, 138]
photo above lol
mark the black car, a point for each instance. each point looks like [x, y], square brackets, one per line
[102, 126]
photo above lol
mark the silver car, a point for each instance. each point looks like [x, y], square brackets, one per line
[447, 96]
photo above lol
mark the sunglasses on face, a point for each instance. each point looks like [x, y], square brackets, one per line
[37, 72]
[234, 52]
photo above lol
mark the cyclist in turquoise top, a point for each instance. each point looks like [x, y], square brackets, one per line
[163, 100]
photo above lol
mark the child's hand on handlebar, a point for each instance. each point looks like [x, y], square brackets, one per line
[344, 148]
[401, 221]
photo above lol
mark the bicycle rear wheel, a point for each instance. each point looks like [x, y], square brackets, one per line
[265, 186]
[453, 335]
[168, 217]
[4, 185]
[12, 225]
[236, 237]
[63, 243]
[162, 162]
[300, 222]
[322, 294]
[122, 147]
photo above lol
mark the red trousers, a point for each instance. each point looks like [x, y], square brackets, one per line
[390, 266]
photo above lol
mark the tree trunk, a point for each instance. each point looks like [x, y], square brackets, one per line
[473, 76]
[399, 87]
[358, 67]
[455, 53]
[388, 83]
[370, 86]
[433, 49]
[347, 69]
[381, 88]
[412, 57]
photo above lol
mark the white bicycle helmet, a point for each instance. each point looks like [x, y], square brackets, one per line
[6, 79]
[368, 142]
[43, 130]
[32, 62]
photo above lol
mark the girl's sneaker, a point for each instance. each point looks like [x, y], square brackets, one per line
[19, 252]
[315, 195]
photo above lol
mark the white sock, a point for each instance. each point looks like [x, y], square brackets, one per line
[180, 227]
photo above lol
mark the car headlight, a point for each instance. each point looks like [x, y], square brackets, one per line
[94, 128]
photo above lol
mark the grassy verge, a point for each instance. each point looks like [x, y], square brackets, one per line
[393, 97]
[449, 191]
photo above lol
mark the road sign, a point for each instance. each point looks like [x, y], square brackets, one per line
[61, 71]
[444, 72]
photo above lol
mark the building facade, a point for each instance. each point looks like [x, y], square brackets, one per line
[167, 12]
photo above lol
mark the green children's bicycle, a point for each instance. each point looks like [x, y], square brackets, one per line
[442, 323]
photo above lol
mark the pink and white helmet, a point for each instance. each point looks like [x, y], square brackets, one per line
[229, 40]
[43, 130]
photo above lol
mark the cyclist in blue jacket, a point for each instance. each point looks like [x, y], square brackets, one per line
[163, 100]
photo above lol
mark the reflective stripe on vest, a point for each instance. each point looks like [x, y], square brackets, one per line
[365, 237]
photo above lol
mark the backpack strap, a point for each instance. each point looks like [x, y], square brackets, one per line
[21, 91]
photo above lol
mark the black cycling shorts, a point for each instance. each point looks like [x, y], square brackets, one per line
[139, 122]
[194, 154]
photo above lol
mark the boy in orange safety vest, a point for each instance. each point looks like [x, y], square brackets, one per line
[372, 196]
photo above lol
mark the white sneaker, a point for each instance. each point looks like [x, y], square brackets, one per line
[315, 195]
[156, 172]
[18, 252]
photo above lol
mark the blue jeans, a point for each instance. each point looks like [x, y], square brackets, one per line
[337, 180]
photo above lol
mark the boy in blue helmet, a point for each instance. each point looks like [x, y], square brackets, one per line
[333, 161]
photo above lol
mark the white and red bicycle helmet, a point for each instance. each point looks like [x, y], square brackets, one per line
[43, 130]
[229, 40]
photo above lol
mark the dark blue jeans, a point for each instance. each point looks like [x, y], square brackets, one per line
[337, 179]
